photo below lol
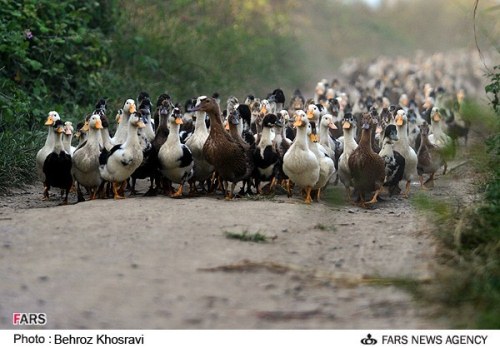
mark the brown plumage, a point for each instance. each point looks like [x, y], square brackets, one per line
[228, 156]
[366, 166]
[429, 158]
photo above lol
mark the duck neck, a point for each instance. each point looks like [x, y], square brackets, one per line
[67, 142]
[51, 137]
[200, 126]
[366, 138]
[150, 133]
[424, 140]
[132, 137]
[94, 136]
[105, 137]
[387, 148]
[323, 133]
[58, 143]
[265, 139]
[301, 138]
[215, 123]
[122, 126]
[403, 134]
[279, 135]
[437, 130]
[349, 142]
[173, 137]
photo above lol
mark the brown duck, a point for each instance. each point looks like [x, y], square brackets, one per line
[228, 156]
[366, 166]
[429, 158]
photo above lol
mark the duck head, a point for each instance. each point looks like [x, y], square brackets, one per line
[424, 129]
[58, 127]
[145, 106]
[435, 115]
[271, 120]
[119, 116]
[176, 116]
[232, 119]
[327, 121]
[348, 122]
[391, 133]
[278, 96]
[313, 112]
[68, 128]
[52, 118]
[136, 120]
[367, 120]
[265, 106]
[129, 106]
[400, 118]
[209, 105]
[95, 122]
[284, 117]
[100, 107]
[300, 119]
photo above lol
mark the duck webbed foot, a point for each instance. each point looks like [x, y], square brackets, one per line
[116, 190]
[178, 193]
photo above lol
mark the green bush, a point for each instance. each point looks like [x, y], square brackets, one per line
[51, 56]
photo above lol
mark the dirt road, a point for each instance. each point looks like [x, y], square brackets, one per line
[161, 263]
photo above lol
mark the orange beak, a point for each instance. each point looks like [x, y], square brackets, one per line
[132, 108]
[140, 124]
[226, 127]
[298, 122]
[263, 110]
[346, 125]
[332, 126]
[178, 120]
[59, 130]
[50, 121]
[437, 117]
[98, 124]
[310, 115]
[399, 120]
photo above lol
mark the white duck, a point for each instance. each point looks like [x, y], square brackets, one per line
[349, 130]
[49, 144]
[123, 124]
[176, 160]
[85, 159]
[326, 165]
[300, 163]
[325, 139]
[438, 136]
[403, 147]
[202, 170]
[68, 137]
[117, 165]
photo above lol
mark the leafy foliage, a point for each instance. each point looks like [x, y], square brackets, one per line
[51, 56]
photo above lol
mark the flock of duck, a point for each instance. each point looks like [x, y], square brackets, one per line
[372, 133]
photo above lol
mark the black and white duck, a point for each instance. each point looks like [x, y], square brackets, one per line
[118, 164]
[175, 158]
[394, 162]
[265, 156]
[57, 165]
